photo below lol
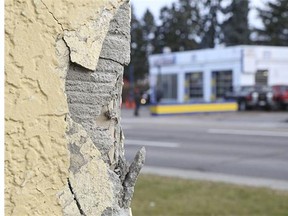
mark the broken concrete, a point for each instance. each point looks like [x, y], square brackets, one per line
[94, 99]
[64, 146]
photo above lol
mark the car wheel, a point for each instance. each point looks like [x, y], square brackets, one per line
[242, 106]
[285, 107]
[268, 108]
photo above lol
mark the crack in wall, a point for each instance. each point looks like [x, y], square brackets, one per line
[52, 15]
[37, 156]
[110, 59]
[75, 198]
[62, 37]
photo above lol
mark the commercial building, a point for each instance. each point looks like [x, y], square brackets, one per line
[204, 76]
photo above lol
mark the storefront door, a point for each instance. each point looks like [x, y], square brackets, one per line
[221, 83]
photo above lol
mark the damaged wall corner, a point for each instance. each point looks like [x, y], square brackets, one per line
[64, 145]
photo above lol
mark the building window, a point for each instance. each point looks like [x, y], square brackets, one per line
[168, 86]
[261, 77]
[194, 86]
[221, 83]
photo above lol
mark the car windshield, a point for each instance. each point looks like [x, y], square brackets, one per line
[284, 88]
[263, 88]
[247, 88]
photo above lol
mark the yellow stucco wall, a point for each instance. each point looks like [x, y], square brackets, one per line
[36, 59]
[35, 106]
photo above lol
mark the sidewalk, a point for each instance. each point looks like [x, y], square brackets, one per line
[216, 177]
[144, 112]
[261, 119]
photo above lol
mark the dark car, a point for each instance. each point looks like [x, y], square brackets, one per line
[265, 98]
[245, 96]
[280, 96]
[251, 97]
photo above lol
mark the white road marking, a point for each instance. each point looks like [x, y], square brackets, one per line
[249, 132]
[151, 143]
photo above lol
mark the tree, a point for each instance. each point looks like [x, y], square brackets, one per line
[149, 28]
[180, 26]
[275, 24]
[235, 29]
[210, 25]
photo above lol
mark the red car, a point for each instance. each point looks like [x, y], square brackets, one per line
[280, 96]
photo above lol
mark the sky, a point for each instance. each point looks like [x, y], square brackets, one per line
[154, 6]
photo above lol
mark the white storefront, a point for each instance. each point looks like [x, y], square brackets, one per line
[205, 75]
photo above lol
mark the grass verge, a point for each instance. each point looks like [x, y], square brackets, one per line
[155, 196]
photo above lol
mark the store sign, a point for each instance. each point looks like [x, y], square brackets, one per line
[164, 61]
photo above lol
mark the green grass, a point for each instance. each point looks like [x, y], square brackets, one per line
[155, 196]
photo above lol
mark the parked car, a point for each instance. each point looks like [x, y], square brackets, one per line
[244, 96]
[265, 98]
[280, 96]
[251, 97]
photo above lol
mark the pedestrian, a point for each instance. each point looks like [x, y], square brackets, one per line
[137, 100]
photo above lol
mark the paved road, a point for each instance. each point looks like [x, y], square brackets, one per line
[251, 144]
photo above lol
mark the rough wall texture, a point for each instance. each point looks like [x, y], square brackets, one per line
[63, 79]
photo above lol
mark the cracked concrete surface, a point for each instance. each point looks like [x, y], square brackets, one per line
[89, 181]
[84, 36]
[64, 76]
[94, 99]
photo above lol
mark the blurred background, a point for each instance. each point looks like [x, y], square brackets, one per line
[179, 26]
[206, 92]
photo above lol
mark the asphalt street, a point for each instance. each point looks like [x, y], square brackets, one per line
[244, 144]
